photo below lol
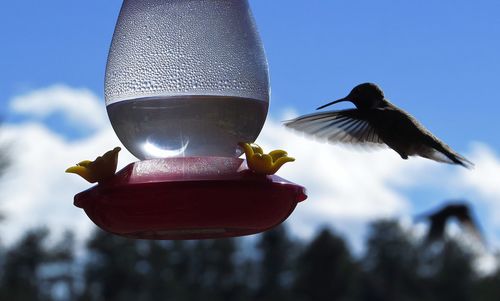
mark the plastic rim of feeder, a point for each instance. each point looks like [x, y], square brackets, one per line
[189, 198]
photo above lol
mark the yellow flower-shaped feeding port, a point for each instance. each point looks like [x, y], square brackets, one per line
[265, 164]
[102, 168]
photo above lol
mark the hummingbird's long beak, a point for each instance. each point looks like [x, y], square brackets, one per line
[334, 102]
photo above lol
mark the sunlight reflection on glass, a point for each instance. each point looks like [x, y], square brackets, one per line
[158, 152]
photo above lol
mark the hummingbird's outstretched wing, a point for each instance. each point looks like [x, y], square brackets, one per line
[346, 126]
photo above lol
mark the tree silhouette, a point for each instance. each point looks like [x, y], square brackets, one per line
[451, 274]
[487, 288]
[277, 253]
[157, 261]
[215, 271]
[391, 263]
[112, 271]
[21, 279]
[60, 270]
[326, 270]
[395, 266]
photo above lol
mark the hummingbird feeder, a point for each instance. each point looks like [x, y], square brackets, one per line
[187, 91]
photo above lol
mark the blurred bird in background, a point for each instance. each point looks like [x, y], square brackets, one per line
[455, 210]
[376, 121]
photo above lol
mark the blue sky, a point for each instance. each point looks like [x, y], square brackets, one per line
[438, 60]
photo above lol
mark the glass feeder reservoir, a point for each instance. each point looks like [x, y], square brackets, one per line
[186, 81]
[186, 78]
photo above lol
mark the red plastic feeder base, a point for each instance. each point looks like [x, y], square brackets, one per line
[189, 198]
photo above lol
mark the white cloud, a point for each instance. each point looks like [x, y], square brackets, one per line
[36, 191]
[80, 106]
[346, 187]
[484, 179]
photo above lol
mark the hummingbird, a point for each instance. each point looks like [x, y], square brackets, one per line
[439, 218]
[376, 121]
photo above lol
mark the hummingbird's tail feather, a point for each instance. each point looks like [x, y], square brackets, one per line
[443, 153]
